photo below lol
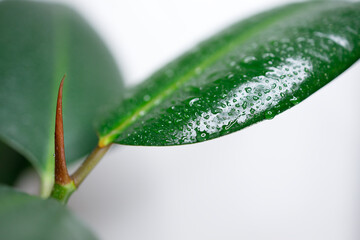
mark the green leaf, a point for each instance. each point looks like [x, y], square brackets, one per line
[249, 72]
[27, 217]
[12, 164]
[39, 43]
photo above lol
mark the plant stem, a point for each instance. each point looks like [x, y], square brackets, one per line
[64, 184]
[88, 165]
[63, 192]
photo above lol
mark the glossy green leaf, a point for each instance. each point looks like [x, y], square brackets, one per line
[39, 43]
[12, 164]
[249, 72]
[27, 217]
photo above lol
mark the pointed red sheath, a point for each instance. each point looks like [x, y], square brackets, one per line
[61, 174]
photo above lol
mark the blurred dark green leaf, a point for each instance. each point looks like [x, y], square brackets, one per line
[27, 217]
[39, 43]
[249, 72]
[12, 165]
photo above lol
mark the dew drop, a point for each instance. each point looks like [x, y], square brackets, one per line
[269, 115]
[146, 98]
[201, 137]
[249, 59]
[244, 105]
[294, 100]
[248, 89]
[192, 101]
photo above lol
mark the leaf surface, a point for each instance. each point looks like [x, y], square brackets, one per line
[40, 43]
[249, 72]
[12, 164]
[27, 217]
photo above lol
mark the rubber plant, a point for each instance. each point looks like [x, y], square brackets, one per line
[251, 71]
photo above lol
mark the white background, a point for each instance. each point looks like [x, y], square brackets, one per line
[295, 177]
